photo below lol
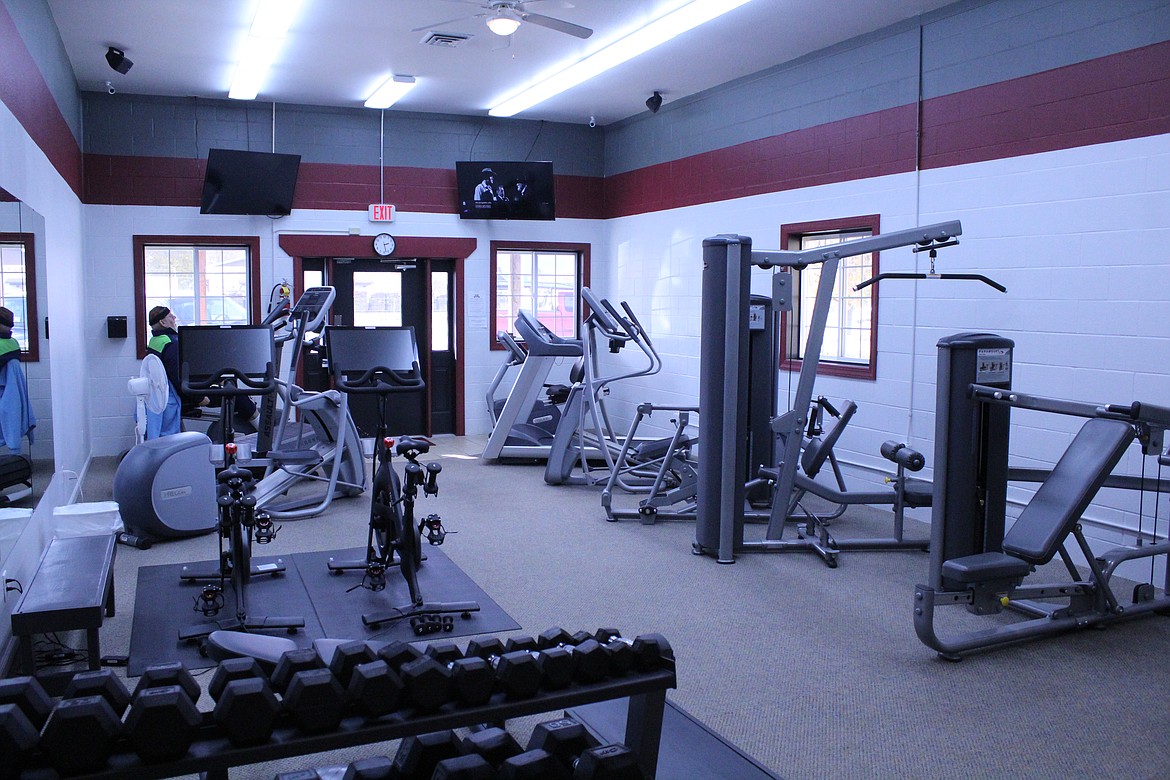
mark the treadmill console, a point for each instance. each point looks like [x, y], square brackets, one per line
[313, 306]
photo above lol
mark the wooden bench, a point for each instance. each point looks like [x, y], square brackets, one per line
[72, 589]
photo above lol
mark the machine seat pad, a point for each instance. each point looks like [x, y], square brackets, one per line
[1060, 501]
[817, 451]
[985, 567]
[656, 449]
[918, 493]
[238, 644]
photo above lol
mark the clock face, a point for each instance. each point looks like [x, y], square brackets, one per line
[384, 244]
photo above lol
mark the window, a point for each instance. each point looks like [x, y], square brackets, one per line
[203, 280]
[18, 290]
[544, 279]
[849, 345]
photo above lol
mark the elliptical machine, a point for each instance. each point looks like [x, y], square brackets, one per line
[384, 361]
[251, 352]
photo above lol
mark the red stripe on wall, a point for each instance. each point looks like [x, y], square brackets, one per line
[856, 148]
[24, 91]
[118, 180]
[1112, 98]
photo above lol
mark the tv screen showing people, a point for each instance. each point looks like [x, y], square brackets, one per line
[505, 190]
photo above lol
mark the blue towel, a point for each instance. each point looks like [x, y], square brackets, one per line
[16, 415]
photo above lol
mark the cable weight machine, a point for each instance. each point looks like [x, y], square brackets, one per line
[723, 384]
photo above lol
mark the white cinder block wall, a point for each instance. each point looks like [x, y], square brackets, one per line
[1077, 236]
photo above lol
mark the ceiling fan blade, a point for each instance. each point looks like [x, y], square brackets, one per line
[435, 25]
[468, 2]
[559, 25]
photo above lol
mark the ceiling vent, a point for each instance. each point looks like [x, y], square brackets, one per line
[449, 40]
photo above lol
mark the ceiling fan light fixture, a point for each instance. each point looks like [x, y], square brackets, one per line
[504, 22]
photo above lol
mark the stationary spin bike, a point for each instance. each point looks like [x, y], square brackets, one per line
[384, 361]
[202, 351]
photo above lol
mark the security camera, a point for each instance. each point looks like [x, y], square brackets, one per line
[654, 102]
[110, 87]
[592, 122]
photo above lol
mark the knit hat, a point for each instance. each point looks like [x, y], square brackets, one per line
[6, 317]
[157, 315]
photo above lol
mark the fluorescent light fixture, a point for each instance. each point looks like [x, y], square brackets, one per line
[269, 27]
[504, 22]
[638, 42]
[390, 92]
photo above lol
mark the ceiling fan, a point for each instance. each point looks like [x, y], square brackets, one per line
[505, 16]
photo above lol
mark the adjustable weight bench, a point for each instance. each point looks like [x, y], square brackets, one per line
[987, 582]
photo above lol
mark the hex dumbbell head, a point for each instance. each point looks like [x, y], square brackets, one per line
[346, 657]
[485, 648]
[520, 643]
[556, 666]
[79, 734]
[444, 652]
[493, 743]
[418, 755]
[233, 669]
[518, 675]
[554, 637]
[652, 651]
[564, 739]
[246, 709]
[591, 663]
[372, 768]
[175, 673]
[18, 736]
[532, 765]
[162, 723]
[474, 680]
[427, 683]
[315, 700]
[470, 767]
[397, 653]
[102, 682]
[374, 688]
[29, 695]
[291, 662]
[608, 762]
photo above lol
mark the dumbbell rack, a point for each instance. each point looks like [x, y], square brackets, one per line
[212, 755]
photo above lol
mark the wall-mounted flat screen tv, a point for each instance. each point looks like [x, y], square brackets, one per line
[505, 190]
[239, 182]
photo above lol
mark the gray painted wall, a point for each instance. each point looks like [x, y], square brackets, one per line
[966, 45]
[35, 24]
[146, 126]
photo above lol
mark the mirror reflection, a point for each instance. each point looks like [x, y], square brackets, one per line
[26, 440]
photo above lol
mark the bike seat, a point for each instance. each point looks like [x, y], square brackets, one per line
[406, 444]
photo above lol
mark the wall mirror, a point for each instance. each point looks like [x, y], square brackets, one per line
[23, 291]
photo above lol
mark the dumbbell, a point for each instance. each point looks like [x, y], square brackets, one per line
[18, 737]
[608, 762]
[370, 685]
[82, 727]
[315, 700]
[418, 755]
[644, 653]
[591, 662]
[246, 709]
[24, 708]
[516, 671]
[472, 677]
[162, 720]
[564, 739]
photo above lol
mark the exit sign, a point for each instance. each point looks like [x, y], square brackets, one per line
[381, 212]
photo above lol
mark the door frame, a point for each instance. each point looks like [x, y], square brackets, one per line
[302, 245]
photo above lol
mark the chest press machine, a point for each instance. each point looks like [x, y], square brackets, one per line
[973, 561]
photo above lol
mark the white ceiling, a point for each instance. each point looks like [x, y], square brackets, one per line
[338, 51]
